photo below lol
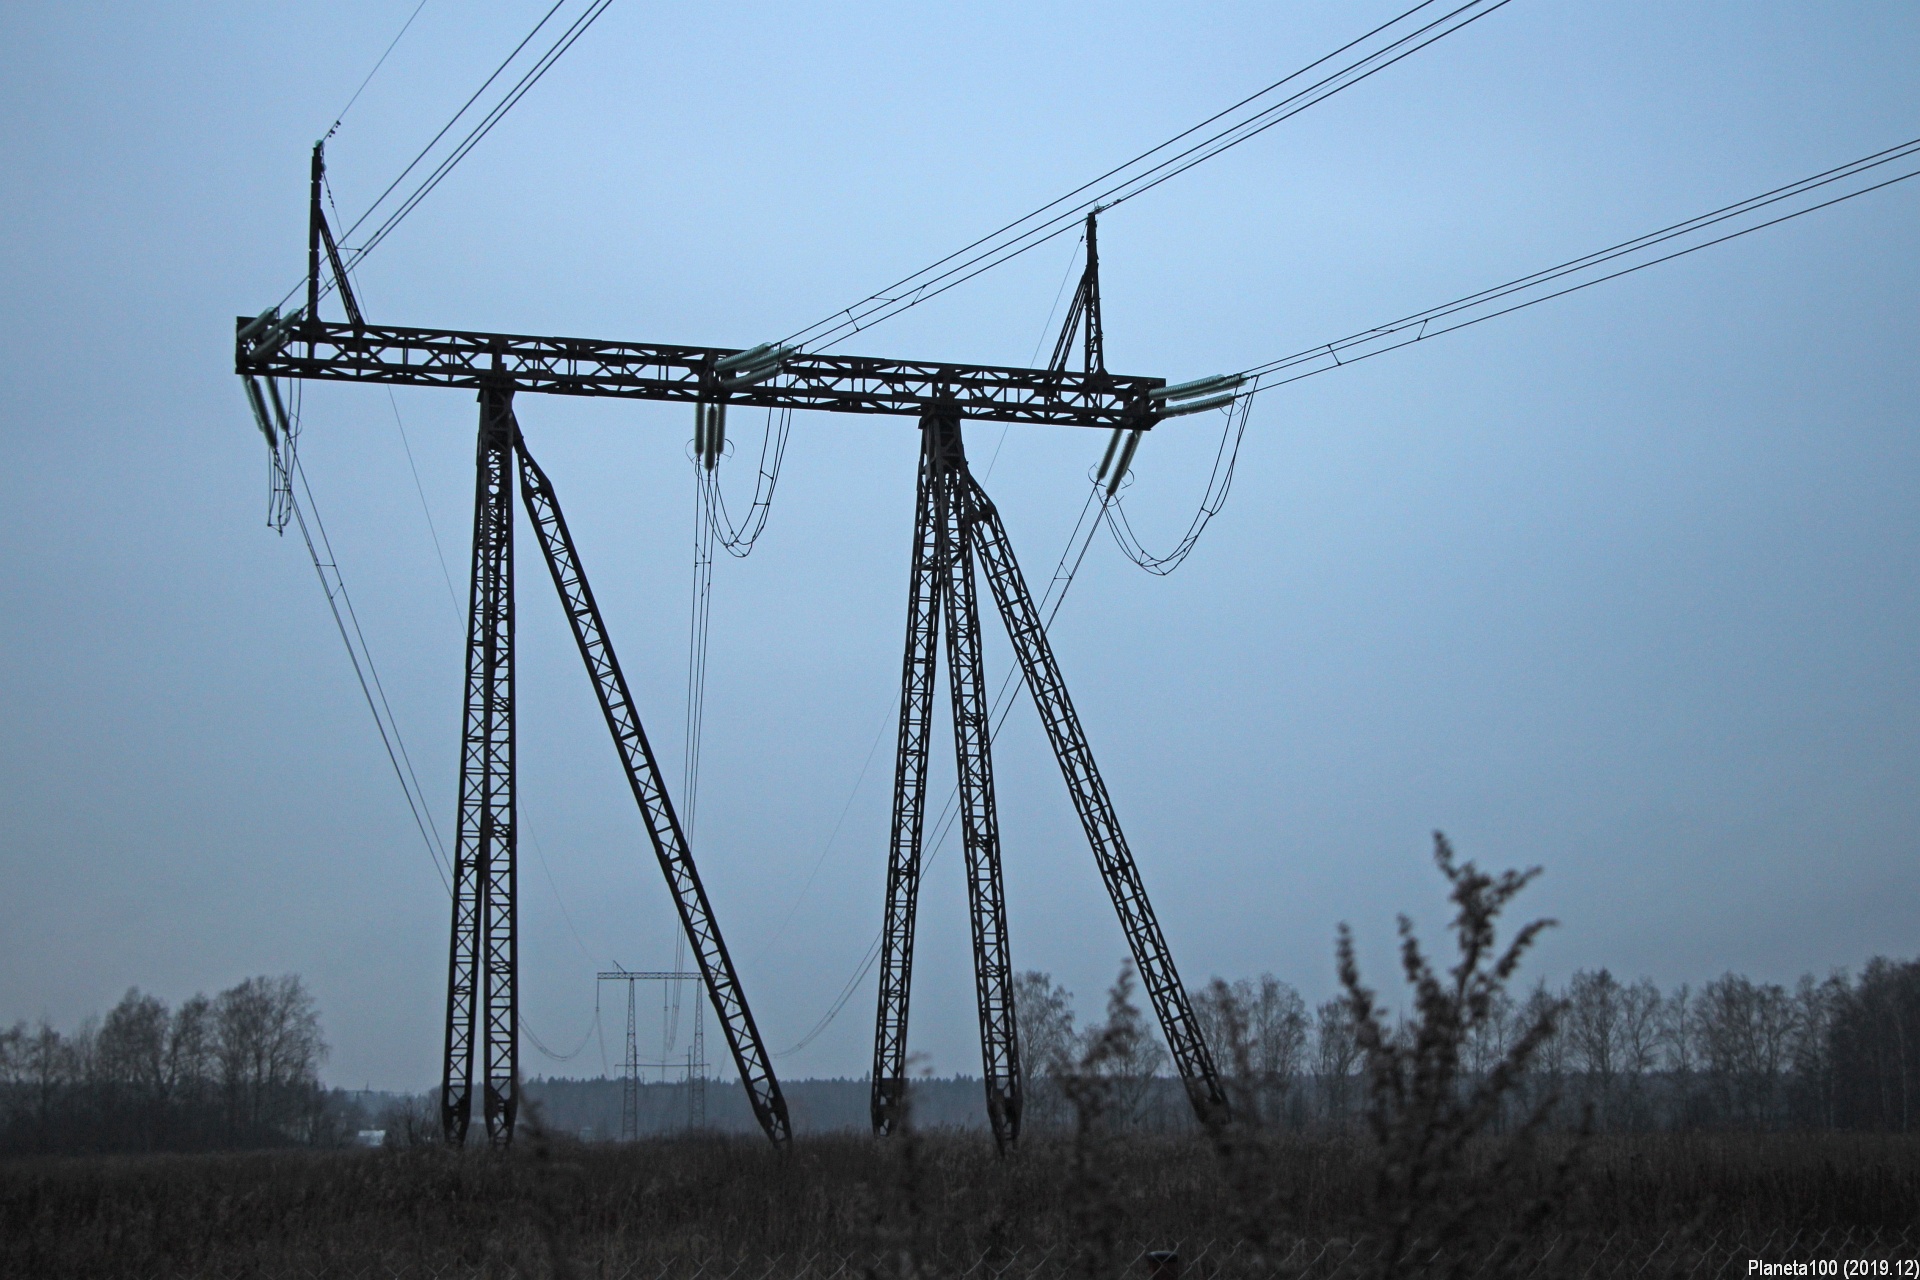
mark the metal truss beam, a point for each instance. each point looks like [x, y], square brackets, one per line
[909, 804]
[942, 589]
[979, 818]
[656, 809]
[1117, 867]
[650, 371]
[482, 962]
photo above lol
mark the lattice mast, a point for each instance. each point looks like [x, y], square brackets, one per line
[954, 526]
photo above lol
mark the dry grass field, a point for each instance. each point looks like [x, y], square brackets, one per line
[931, 1204]
[1455, 1162]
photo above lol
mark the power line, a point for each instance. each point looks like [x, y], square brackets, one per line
[425, 510]
[453, 120]
[1421, 324]
[479, 132]
[364, 670]
[739, 540]
[826, 847]
[1219, 484]
[713, 526]
[335, 126]
[1135, 176]
[454, 603]
[1220, 481]
[474, 136]
[1065, 570]
[1046, 329]
[1473, 309]
[554, 885]
[592, 1032]
[698, 630]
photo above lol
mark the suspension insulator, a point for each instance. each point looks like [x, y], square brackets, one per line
[1126, 460]
[279, 409]
[1113, 444]
[259, 404]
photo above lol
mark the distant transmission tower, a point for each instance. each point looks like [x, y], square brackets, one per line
[697, 1070]
[630, 1078]
[696, 1061]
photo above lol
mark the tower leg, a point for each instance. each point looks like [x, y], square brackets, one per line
[979, 820]
[481, 964]
[909, 804]
[1150, 951]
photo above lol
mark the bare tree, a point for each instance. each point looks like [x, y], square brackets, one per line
[411, 1121]
[1679, 1032]
[1279, 1029]
[130, 1069]
[1816, 1009]
[1640, 1046]
[12, 1052]
[269, 1049]
[1745, 1030]
[1876, 1049]
[1335, 1054]
[1680, 1052]
[1592, 1029]
[132, 1045]
[1543, 1081]
[1118, 1061]
[1777, 1018]
[1492, 1035]
[1105, 1085]
[1640, 1006]
[1049, 1045]
[191, 1050]
[239, 1070]
[1258, 1035]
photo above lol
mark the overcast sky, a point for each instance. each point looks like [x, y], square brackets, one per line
[1624, 585]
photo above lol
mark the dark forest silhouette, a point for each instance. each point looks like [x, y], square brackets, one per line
[241, 1069]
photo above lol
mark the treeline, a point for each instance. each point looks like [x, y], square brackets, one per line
[241, 1069]
[1839, 1053]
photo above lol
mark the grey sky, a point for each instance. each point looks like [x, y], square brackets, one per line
[1624, 585]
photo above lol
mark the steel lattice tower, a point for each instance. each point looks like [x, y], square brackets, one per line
[955, 527]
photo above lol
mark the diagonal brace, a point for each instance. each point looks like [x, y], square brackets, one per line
[1089, 792]
[656, 810]
[979, 815]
